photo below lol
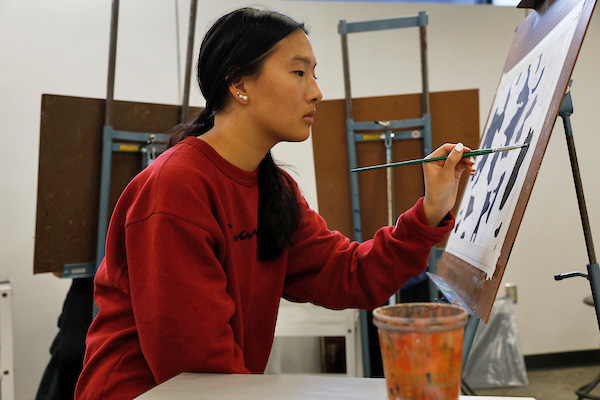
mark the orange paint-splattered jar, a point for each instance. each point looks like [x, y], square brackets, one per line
[421, 348]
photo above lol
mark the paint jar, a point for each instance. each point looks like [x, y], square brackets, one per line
[421, 349]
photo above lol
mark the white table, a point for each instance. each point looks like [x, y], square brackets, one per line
[286, 387]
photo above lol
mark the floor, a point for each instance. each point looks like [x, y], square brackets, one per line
[550, 384]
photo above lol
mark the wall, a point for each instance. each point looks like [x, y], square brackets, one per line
[61, 47]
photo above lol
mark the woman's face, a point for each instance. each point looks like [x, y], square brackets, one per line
[282, 98]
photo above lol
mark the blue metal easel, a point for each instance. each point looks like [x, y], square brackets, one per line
[418, 128]
[148, 144]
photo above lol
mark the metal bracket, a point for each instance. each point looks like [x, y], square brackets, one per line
[560, 277]
[79, 270]
[383, 24]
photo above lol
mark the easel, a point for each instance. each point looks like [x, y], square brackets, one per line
[357, 132]
[70, 129]
[424, 132]
[462, 283]
[148, 144]
[593, 275]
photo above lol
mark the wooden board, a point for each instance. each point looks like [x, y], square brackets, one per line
[468, 282]
[69, 172]
[455, 117]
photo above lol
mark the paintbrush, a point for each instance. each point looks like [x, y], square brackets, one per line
[473, 153]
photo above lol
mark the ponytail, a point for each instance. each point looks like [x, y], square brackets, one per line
[278, 212]
[202, 124]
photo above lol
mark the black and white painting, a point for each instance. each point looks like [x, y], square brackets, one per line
[520, 107]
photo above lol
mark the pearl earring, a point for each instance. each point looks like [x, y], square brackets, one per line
[242, 96]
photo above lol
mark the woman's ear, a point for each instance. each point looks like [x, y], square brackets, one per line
[238, 90]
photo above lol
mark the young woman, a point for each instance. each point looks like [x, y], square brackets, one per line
[205, 241]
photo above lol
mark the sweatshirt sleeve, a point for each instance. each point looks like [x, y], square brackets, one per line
[180, 302]
[328, 269]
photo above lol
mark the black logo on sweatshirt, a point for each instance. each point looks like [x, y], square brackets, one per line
[243, 235]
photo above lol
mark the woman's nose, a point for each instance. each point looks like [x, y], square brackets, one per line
[317, 96]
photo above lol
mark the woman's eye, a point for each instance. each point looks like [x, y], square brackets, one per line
[299, 73]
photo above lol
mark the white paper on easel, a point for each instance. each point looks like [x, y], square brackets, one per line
[518, 113]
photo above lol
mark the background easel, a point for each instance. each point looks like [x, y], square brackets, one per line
[455, 116]
[393, 130]
[89, 150]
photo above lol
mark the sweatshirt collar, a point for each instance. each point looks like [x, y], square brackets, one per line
[245, 178]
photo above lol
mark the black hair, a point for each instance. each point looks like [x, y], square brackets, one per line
[237, 45]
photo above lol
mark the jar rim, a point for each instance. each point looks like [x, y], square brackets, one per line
[420, 316]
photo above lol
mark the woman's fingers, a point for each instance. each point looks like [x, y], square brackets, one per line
[455, 156]
[442, 179]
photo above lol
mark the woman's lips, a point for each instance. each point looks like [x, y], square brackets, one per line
[310, 117]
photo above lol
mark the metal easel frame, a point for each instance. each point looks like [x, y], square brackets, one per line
[149, 144]
[392, 130]
[593, 275]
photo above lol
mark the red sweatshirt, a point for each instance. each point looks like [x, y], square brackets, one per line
[181, 288]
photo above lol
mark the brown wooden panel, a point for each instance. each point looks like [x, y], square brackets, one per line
[69, 172]
[455, 117]
[465, 279]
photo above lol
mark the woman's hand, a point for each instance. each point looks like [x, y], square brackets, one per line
[442, 179]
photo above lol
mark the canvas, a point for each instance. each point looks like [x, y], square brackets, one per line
[520, 108]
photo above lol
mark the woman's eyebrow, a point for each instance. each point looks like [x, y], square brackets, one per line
[305, 60]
